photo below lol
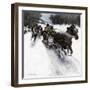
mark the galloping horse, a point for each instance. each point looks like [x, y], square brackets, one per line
[62, 40]
[65, 39]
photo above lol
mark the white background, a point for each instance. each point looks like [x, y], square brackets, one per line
[5, 45]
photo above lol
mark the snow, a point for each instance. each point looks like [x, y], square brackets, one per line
[45, 17]
[40, 62]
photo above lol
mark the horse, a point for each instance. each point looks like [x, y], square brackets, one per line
[61, 41]
[36, 31]
[65, 39]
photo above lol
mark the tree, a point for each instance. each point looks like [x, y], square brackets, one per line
[65, 18]
[31, 17]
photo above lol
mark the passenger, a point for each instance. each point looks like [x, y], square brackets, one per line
[39, 28]
[47, 28]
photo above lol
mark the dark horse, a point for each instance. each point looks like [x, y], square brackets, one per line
[65, 39]
[62, 40]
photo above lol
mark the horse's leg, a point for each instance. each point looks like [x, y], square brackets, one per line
[64, 51]
[71, 50]
[32, 35]
[62, 54]
[35, 36]
[68, 51]
[59, 54]
[70, 47]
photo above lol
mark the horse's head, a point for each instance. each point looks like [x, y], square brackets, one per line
[72, 30]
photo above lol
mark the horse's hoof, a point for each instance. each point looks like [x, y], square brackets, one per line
[70, 55]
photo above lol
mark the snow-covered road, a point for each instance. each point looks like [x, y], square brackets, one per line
[40, 62]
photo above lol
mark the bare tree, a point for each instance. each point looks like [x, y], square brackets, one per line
[31, 17]
[65, 18]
